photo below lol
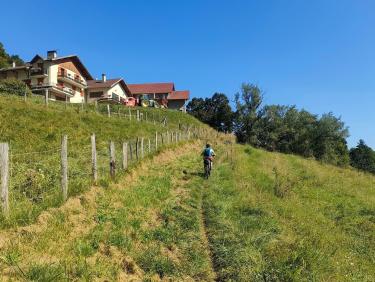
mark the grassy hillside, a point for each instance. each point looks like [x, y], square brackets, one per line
[260, 217]
[275, 217]
[34, 133]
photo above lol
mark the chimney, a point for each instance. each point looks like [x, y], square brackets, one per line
[104, 77]
[13, 64]
[52, 54]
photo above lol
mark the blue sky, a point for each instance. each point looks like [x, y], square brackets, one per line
[317, 55]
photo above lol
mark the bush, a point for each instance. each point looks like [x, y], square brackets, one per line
[14, 87]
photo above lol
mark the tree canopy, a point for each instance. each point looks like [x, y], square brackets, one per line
[275, 127]
[6, 59]
[363, 157]
[215, 111]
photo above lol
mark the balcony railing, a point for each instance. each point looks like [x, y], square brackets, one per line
[72, 78]
[38, 72]
[57, 86]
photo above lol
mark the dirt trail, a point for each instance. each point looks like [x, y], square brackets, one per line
[204, 234]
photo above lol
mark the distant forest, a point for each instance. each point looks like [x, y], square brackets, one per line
[282, 128]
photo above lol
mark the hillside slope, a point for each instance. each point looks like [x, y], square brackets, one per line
[276, 217]
[34, 132]
[260, 217]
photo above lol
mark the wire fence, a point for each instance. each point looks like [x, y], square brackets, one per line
[152, 115]
[34, 181]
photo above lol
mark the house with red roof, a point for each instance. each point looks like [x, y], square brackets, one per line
[164, 93]
[177, 100]
[114, 91]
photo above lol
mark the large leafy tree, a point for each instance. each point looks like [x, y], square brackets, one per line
[248, 102]
[215, 111]
[363, 157]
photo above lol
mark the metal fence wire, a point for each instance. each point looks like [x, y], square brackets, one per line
[34, 181]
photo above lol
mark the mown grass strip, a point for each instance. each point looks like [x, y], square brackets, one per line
[274, 217]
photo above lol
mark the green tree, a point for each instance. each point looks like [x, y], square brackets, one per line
[363, 157]
[6, 59]
[248, 102]
[215, 111]
[329, 140]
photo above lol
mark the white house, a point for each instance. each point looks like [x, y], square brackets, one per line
[112, 90]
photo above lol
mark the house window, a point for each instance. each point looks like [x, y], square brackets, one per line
[96, 94]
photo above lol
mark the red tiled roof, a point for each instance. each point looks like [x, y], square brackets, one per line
[150, 88]
[107, 84]
[179, 95]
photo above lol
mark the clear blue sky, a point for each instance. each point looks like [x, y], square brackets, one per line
[318, 55]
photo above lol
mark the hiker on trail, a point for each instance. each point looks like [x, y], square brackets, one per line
[208, 154]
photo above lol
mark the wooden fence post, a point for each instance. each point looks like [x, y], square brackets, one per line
[112, 156]
[137, 115]
[156, 141]
[46, 97]
[64, 167]
[25, 93]
[4, 177]
[124, 156]
[108, 111]
[130, 114]
[142, 151]
[149, 146]
[130, 151]
[137, 149]
[94, 159]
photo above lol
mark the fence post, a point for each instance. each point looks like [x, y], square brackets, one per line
[137, 149]
[25, 92]
[64, 167]
[142, 151]
[149, 146]
[137, 115]
[156, 141]
[130, 114]
[94, 159]
[46, 97]
[108, 111]
[124, 156]
[130, 151]
[112, 163]
[4, 177]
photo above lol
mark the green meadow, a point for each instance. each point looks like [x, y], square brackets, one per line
[261, 216]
